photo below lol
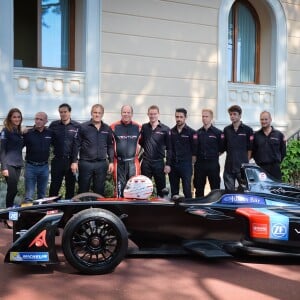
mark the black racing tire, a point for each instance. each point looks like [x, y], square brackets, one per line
[95, 241]
[88, 196]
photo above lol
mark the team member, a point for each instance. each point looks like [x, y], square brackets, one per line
[11, 153]
[95, 147]
[155, 140]
[184, 149]
[37, 142]
[269, 146]
[210, 144]
[64, 135]
[126, 134]
[238, 140]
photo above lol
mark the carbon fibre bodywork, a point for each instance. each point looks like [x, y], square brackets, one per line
[262, 219]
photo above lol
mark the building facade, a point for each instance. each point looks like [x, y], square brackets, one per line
[185, 53]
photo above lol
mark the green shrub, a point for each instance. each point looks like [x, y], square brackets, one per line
[290, 167]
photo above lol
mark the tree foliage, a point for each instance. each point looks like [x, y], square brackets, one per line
[290, 167]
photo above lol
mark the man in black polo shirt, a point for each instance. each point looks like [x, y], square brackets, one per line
[64, 135]
[37, 142]
[184, 149]
[238, 140]
[269, 146]
[210, 145]
[156, 143]
[95, 149]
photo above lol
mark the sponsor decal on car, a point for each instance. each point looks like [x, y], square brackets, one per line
[265, 223]
[242, 199]
[259, 229]
[13, 215]
[279, 231]
[262, 176]
[29, 256]
[40, 240]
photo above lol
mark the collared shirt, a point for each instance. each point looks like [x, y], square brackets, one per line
[270, 148]
[126, 139]
[237, 144]
[210, 143]
[38, 144]
[156, 142]
[64, 136]
[184, 144]
[95, 144]
[12, 143]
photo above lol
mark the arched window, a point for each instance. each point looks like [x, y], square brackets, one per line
[243, 43]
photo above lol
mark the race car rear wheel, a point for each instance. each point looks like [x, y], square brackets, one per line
[88, 196]
[95, 241]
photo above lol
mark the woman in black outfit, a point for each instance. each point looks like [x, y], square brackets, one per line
[11, 153]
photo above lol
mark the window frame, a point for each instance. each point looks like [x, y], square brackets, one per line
[37, 61]
[254, 14]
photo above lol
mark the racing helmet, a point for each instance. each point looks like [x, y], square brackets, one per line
[138, 187]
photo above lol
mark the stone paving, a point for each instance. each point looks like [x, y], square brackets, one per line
[163, 278]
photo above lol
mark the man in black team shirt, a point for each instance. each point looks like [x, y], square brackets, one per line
[210, 145]
[156, 143]
[269, 146]
[37, 141]
[65, 132]
[184, 149]
[238, 140]
[96, 152]
[126, 134]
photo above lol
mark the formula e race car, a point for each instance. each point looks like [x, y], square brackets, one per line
[262, 218]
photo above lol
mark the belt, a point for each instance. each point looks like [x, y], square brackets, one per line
[180, 160]
[35, 163]
[62, 157]
[125, 159]
[153, 160]
[94, 160]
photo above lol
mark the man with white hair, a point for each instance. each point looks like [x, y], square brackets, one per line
[126, 135]
[37, 141]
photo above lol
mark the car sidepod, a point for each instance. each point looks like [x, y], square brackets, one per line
[273, 231]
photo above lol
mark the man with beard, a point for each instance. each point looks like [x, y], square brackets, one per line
[184, 149]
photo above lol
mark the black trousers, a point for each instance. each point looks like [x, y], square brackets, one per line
[204, 169]
[12, 184]
[92, 172]
[60, 169]
[123, 170]
[155, 169]
[273, 169]
[183, 171]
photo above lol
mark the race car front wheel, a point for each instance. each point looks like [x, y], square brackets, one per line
[95, 241]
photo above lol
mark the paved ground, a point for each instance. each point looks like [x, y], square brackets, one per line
[152, 278]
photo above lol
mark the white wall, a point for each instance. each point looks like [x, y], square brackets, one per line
[159, 52]
[140, 52]
[292, 11]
